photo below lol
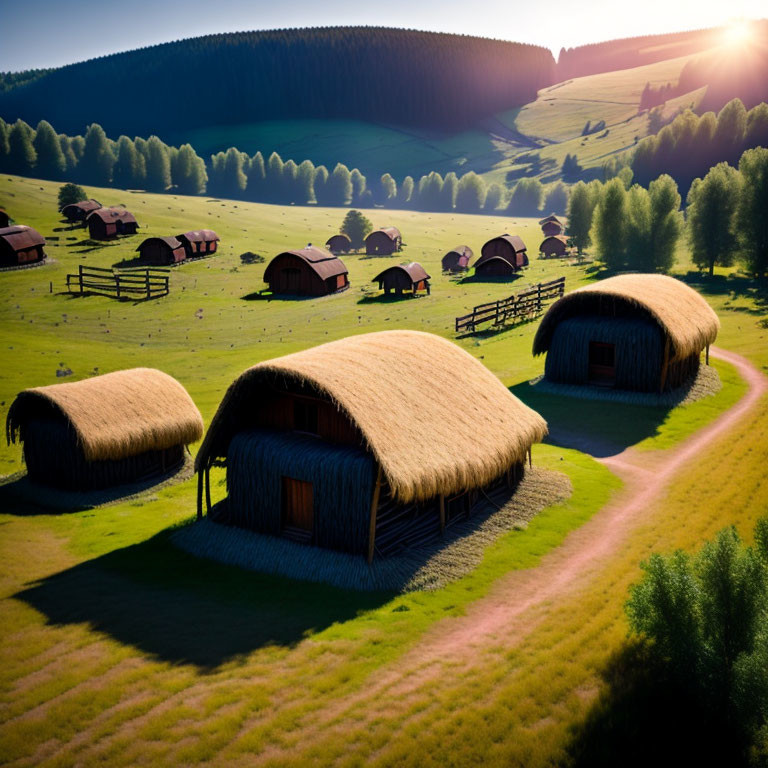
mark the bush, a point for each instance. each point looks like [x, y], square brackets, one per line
[251, 258]
[71, 193]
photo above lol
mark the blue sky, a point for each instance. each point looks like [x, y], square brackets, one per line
[44, 33]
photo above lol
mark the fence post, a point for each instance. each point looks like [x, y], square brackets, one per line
[146, 278]
[538, 297]
[80, 272]
[117, 285]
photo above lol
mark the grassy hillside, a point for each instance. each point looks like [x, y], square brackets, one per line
[119, 649]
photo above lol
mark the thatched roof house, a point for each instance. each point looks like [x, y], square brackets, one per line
[104, 431]
[310, 271]
[5, 219]
[502, 256]
[199, 242]
[20, 245]
[458, 259]
[403, 277]
[339, 244]
[384, 241]
[356, 444]
[105, 223]
[79, 211]
[554, 246]
[637, 332]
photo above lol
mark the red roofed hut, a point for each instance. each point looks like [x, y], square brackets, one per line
[161, 250]
[199, 242]
[502, 256]
[384, 241]
[311, 271]
[75, 212]
[403, 277]
[339, 244]
[554, 246]
[458, 259]
[551, 225]
[20, 245]
[106, 223]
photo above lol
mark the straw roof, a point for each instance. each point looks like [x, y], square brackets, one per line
[683, 314]
[406, 391]
[116, 415]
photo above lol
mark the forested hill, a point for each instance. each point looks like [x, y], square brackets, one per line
[395, 76]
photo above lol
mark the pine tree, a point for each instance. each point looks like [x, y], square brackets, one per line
[51, 163]
[255, 187]
[428, 195]
[233, 178]
[274, 182]
[95, 166]
[69, 156]
[158, 165]
[356, 227]
[449, 191]
[639, 240]
[405, 193]
[388, 187]
[666, 222]
[4, 148]
[188, 171]
[321, 185]
[21, 153]
[129, 171]
[359, 185]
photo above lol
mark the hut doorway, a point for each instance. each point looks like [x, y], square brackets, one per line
[602, 363]
[297, 511]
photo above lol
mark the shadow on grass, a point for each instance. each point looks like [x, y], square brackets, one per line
[186, 610]
[267, 296]
[599, 428]
[388, 298]
[494, 330]
[736, 286]
[642, 718]
[504, 280]
[71, 226]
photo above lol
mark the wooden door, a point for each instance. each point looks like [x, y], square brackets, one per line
[297, 506]
[602, 363]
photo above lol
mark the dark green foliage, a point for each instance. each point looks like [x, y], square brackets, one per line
[256, 184]
[493, 198]
[4, 148]
[556, 200]
[71, 193]
[429, 193]
[752, 211]
[356, 227]
[51, 163]
[304, 186]
[610, 229]
[388, 190]
[581, 208]
[339, 186]
[321, 185]
[21, 154]
[526, 198]
[666, 224]
[359, 186]
[11, 80]
[471, 193]
[129, 171]
[449, 191]
[571, 169]
[158, 165]
[95, 166]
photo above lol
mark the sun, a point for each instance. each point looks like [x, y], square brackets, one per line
[737, 32]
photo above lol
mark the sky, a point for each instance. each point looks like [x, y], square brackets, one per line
[49, 33]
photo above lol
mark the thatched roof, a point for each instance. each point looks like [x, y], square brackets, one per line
[116, 415]
[406, 391]
[682, 313]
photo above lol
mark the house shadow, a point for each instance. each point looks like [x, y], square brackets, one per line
[186, 610]
[87, 245]
[736, 286]
[71, 226]
[648, 719]
[389, 298]
[501, 279]
[266, 295]
[600, 428]
[494, 330]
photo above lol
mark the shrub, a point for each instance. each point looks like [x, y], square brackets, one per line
[71, 193]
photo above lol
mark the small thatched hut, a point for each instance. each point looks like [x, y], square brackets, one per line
[502, 256]
[363, 443]
[161, 250]
[311, 271]
[554, 246]
[339, 244]
[101, 432]
[199, 242]
[75, 212]
[20, 245]
[458, 259]
[403, 277]
[384, 241]
[5, 219]
[106, 223]
[637, 332]
[551, 225]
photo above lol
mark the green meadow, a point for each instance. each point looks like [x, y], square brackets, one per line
[119, 649]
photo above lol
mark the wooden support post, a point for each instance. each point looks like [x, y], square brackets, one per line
[200, 494]
[665, 366]
[442, 513]
[707, 356]
[207, 490]
[374, 507]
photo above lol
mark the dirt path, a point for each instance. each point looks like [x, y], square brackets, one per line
[517, 602]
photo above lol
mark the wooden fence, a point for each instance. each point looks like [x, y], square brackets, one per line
[142, 283]
[515, 307]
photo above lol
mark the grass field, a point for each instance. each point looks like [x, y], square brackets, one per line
[119, 649]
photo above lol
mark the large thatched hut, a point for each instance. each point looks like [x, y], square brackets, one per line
[199, 242]
[383, 242]
[457, 259]
[551, 225]
[106, 223]
[339, 244]
[20, 245]
[310, 271]
[105, 431]
[637, 332]
[161, 250]
[74, 212]
[403, 277]
[502, 256]
[363, 443]
[554, 247]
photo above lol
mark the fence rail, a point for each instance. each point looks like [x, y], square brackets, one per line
[515, 307]
[140, 283]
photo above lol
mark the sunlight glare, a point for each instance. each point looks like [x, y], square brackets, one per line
[737, 32]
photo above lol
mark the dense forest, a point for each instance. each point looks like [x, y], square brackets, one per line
[393, 76]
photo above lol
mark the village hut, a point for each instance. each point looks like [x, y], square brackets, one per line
[636, 332]
[339, 244]
[311, 271]
[554, 246]
[20, 245]
[551, 225]
[365, 443]
[74, 212]
[104, 431]
[403, 277]
[502, 256]
[5, 219]
[458, 259]
[199, 242]
[383, 242]
[161, 250]
[106, 223]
